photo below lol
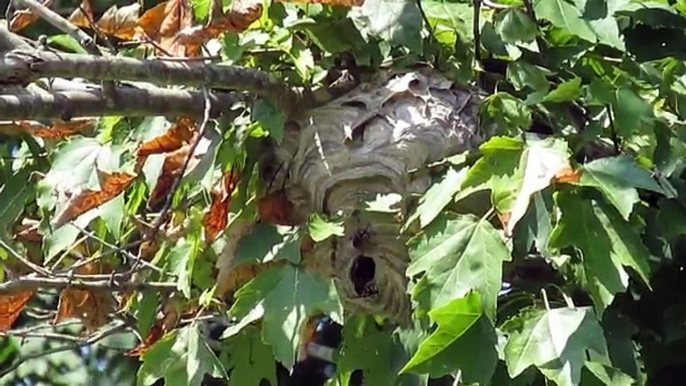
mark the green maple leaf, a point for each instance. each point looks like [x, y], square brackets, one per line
[606, 242]
[181, 358]
[296, 296]
[458, 253]
[461, 327]
[437, 197]
[366, 346]
[617, 178]
[555, 341]
[249, 359]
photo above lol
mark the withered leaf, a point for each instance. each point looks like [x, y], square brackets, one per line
[216, 218]
[58, 129]
[276, 208]
[92, 307]
[162, 23]
[238, 18]
[22, 18]
[168, 322]
[85, 199]
[83, 15]
[173, 163]
[568, 176]
[176, 136]
[120, 22]
[11, 306]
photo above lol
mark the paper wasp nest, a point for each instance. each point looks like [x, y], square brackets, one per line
[337, 156]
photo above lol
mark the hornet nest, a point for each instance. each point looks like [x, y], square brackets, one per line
[364, 144]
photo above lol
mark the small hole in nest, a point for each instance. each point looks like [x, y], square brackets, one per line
[362, 274]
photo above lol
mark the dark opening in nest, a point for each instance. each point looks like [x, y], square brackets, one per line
[362, 275]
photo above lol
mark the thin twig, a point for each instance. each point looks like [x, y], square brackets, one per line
[177, 182]
[131, 256]
[494, 5]
[476, 31]
[93, 339]
[62, 24]
[613, 130]
[114, 283]
[542, 48]
[429, 28]
[36, 268]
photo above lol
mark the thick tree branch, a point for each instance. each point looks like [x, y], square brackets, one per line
[10, 41]
[117, 282]
[130, 102]
[25, 66]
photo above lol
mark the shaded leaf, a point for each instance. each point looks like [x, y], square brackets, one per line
[181, 358]
[395, 21]
[249, 359]
[296, 296]
[606, 244]
[514, 26]
[617, 178]
[366, 346]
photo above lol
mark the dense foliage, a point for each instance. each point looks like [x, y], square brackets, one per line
[552, 253]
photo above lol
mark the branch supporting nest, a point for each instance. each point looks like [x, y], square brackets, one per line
[21, 67]
[130, 101]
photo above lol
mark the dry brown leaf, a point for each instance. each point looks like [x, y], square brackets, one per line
[120, 22]
[173, 163]
[84, 199]
[176, 136]
[343, 3]
[168, 322]
[11, 306]
[216, 218]
[27, 231]
[83, 14]
[58, 129]
[22, 18]
[568, 176]
[239, 17]
[275, 208]
[163, 22]
[92, 307]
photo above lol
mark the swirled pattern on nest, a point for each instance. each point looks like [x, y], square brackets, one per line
[366, 143]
